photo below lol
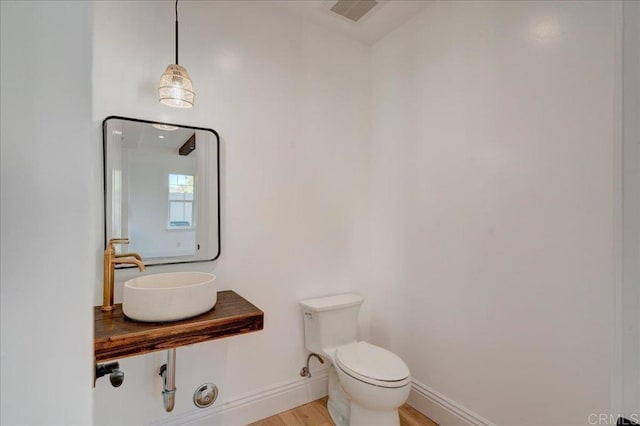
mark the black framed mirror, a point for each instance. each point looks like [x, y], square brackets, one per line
[162, 189]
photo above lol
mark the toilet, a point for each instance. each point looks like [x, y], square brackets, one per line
[367, 384]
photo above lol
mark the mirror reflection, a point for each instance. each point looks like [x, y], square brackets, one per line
[162, 189]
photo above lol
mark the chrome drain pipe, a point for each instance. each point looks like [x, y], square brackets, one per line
[168, 373]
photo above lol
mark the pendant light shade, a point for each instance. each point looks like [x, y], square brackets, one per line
[175, 88]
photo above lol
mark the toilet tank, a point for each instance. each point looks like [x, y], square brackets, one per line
[330, 321]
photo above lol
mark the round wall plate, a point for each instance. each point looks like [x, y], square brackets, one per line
[205, 395]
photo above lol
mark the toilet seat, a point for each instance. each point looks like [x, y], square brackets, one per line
[372, 364]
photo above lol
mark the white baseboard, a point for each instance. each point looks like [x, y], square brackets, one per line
[442, 410]
[258, 405]
[254, 406]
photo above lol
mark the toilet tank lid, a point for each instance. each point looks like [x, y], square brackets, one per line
[329, 303]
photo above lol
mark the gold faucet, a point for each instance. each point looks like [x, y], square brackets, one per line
[110, 260]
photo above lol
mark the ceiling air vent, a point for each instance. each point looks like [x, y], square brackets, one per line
[353, 9]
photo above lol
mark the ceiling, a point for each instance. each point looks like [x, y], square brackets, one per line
[136, 135]
[380, 21]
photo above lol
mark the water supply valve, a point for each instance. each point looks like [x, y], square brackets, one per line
[116, 376]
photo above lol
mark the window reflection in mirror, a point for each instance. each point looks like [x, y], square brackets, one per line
[181, 201]
[162, 189]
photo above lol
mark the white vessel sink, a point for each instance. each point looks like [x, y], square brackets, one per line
[170, 296]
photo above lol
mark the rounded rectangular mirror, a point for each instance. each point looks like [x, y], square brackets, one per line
[162, 189]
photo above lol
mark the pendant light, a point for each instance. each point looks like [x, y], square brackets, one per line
[175, 88]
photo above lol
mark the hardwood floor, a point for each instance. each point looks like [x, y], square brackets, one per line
[315, 414]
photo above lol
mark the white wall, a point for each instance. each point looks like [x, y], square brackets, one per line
[47, 210]
[291, 103]
[630, 306]
[493, 174]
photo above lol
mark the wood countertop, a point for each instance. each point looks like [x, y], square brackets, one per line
[116, 336]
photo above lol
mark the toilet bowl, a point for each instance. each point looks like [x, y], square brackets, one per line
[367, 384]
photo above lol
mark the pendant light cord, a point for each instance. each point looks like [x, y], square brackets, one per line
[176, 32]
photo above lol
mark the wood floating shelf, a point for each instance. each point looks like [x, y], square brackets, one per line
[116, 336]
